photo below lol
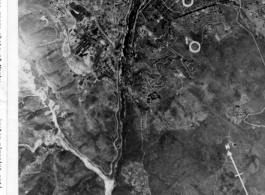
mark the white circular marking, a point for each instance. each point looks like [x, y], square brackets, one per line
[187, 5]
[194, 50]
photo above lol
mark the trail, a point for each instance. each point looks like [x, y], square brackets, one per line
[254, 125]
[240, 8]
[36, 145]
[262, 59]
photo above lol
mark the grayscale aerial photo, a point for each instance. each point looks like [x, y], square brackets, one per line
[141, 97]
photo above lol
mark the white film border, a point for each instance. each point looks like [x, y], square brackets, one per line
[3, 97]
[12, 99]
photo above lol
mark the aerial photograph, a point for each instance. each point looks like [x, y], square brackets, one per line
[141, 97]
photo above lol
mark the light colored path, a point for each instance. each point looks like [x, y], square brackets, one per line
[36, 145]
[60, 140]
[262, 59]
[240, 8]
[109, 183]
[254, 125]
